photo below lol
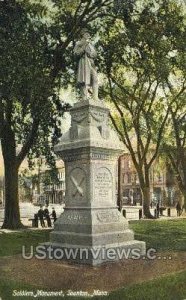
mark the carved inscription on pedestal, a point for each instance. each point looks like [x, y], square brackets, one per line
[107, 216]
[103, 185]
[73, 218]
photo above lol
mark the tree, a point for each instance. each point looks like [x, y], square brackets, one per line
[175, 140]
[25, 187]
[35, 62]
[175, 89]
[137, 57]
[23, 86]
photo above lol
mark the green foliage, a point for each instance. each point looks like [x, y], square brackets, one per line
[142, 50]
[170, 287]
[50, 177]
[142, 57]
[162, 235]
[11, 243]
[29, 102]
[37, 39]
[36, 61]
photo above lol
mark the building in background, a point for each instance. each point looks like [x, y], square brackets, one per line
[38, 186]
[54, 190]
[42, 185]
[162, 183]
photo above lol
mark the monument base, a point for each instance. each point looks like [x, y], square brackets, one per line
[95, 255]
[93, 236]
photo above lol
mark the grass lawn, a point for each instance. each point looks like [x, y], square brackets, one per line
[166, 288]
[11, 243]
[168, 235]
[161, 235]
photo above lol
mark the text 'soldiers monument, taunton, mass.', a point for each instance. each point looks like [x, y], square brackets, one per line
[90, 150]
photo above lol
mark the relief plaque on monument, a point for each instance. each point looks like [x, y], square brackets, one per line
[77, 185]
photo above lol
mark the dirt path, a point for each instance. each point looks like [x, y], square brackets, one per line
[61, 275]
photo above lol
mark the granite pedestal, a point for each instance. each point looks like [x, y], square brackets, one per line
[91, 225]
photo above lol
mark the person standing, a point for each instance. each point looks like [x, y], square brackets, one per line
[53, 214]
[47, 216]
[178, 208]
[41, 216]
[35, 220]
[158, 209]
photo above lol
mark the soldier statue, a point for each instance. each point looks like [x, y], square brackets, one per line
[87, 75]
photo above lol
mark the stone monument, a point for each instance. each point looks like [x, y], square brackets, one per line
[91, 224]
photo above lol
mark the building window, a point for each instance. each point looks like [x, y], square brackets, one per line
[134, 177]
[122, 162]
[129, 164]
[160, 177]
[125, 178]
[129, 178]
[126, 164]
[137, 179]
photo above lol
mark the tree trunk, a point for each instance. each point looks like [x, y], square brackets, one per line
[146, 202]
[182, 187]
[183, 192]
[180, 171]
[185, 201]
[145, 190]
[12, 213]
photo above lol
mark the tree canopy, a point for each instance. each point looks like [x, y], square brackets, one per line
[35, 62]
[141, 50]
[141, 56]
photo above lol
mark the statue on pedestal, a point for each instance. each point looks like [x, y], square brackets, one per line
[87, 75]
[90, 149]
